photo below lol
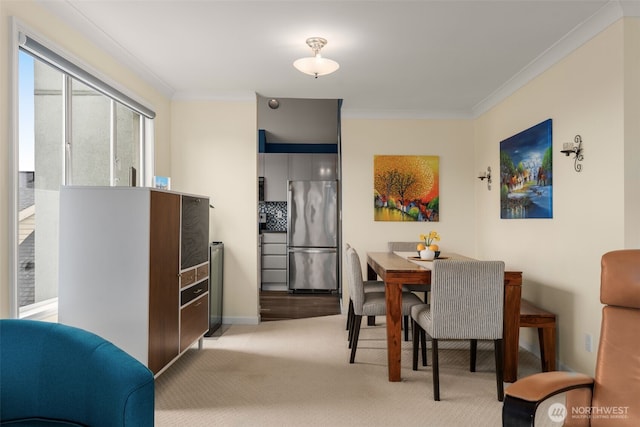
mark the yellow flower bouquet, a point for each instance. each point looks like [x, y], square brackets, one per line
[428, 239]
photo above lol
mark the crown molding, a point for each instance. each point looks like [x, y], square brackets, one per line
[203, 95]
[81, 23]
[599, 21]
[347, 113]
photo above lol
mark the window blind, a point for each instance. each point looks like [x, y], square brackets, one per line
[47, 55]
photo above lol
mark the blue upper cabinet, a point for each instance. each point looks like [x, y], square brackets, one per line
[266, 147]
[262, 141]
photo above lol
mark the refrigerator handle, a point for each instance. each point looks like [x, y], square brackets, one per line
[289, 206]
[313, 250]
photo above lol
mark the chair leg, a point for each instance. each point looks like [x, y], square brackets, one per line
[415, 343]
[499, 374]
[406, 328]
[436, 374]
[354, 340]
[423, 338]
[351, 328]
[350, 315]
[473, 348]
[371, 320]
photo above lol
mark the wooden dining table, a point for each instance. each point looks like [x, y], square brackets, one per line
[396, 270]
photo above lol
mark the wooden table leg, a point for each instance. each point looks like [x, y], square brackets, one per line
[511, 330]
[394, 329]
[547, 340]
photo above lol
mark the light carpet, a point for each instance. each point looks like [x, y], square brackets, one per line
[297, 373]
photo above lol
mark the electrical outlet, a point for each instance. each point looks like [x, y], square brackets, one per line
[588, 343]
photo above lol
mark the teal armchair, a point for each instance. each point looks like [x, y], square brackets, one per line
[57, 375]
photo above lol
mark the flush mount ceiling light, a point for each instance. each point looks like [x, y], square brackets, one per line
[316, 65]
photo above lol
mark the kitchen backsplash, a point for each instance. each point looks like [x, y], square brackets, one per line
[276, 215]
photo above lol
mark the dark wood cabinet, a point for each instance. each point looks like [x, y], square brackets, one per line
[164, 247]
[194, 321]
[121, 268]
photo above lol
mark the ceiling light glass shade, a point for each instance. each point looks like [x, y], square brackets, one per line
[316, 65]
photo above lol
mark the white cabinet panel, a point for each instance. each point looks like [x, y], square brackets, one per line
[279, 249]
[312, 166]
[274, 238]
[274, 276]
[274, 262]
[300, 167]
[323, 167]
[276, 173]
[119, 268]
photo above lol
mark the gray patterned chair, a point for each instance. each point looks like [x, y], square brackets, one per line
[409, 247]
[420, 289]
[369, 286]
[367, 303]
[467, 303]
[403, 246]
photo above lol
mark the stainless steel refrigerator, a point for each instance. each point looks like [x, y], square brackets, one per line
[312, 236]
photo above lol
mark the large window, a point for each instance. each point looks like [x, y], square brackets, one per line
[73, 130]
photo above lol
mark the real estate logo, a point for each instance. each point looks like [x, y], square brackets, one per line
[557, 412]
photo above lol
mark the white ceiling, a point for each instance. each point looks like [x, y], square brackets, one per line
[447, 58]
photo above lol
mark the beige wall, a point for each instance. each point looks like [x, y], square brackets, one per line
[632, 131]
[79, 48]
[594, 92]
[451, 140]
[560, 257]
[214, 153]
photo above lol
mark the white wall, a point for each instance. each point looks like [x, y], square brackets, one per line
[214, 153]
[560, 257]
[76, 46]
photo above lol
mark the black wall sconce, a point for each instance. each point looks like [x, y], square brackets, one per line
[487, 175]
[574, 148]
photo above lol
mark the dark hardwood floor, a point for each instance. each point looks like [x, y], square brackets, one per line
[283, 305]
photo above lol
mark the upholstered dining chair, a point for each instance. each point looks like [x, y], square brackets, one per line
[409, 247]
[403, 246]
[616, 386]
[369, 286]
[368, 303]
[418, 289]
[467, 303]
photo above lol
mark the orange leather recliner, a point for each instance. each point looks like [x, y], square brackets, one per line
[611, 399]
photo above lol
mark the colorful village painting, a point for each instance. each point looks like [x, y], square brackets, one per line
[526, 181]
[406, 188]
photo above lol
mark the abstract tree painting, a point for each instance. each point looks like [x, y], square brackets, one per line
[526, 181]
[406, 188]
